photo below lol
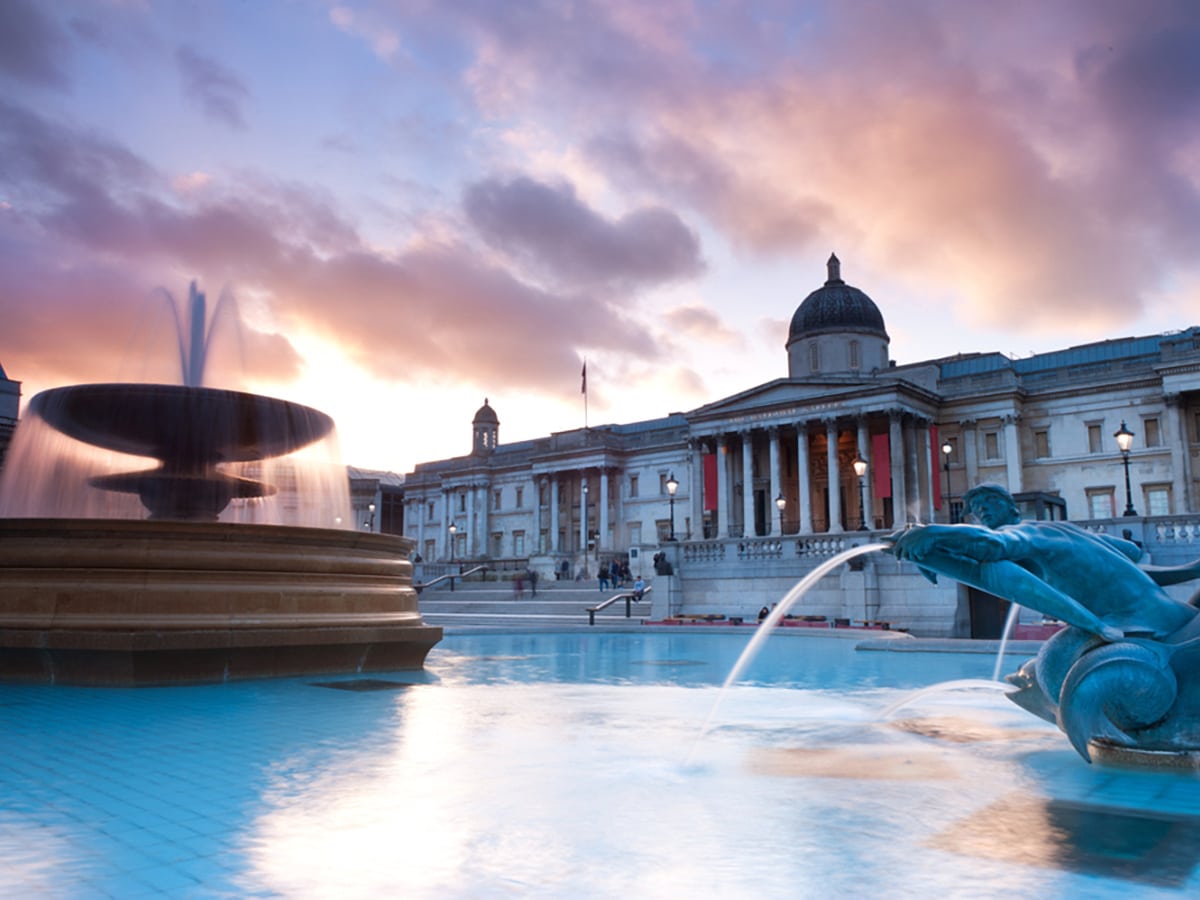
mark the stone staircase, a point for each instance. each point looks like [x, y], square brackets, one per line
[556, 604]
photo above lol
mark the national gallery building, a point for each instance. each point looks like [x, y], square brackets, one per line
[847, 442]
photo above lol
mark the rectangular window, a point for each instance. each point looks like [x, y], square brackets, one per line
[1095, 439]
[542, 537]
[497, 544]
[635, 533]
[991, 445]
[430, 550]
[854, 354]
[520, 497]
[431, 510]
[1150, 429]
[662, 483]
[1041, 443]
[518, 543]
[1101, 504]
[462, 503]
[495, 499]
[814, 358]
[633, 485]
[542, 494]
[1158, 500]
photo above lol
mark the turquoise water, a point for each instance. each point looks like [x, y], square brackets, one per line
[571, 765]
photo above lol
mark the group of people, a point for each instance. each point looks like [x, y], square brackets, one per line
[615, 574]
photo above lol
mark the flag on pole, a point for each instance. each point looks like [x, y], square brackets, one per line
[583, 385]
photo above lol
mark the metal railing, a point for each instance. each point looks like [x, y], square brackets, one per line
[630, 598]
[428, 584]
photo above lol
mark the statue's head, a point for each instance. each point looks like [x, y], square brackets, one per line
[992, 505]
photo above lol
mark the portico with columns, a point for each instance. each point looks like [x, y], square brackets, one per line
[765, 482]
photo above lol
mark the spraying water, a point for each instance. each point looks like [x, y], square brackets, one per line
[765, 627]
[1009, 623]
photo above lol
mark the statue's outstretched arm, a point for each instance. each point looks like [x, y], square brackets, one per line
[974, 556]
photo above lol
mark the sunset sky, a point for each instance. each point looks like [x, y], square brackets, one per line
[419, 204]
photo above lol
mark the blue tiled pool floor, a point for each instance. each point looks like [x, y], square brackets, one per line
[572, 765]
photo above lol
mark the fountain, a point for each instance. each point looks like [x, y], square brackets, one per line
[227, 567]
[1122, 680]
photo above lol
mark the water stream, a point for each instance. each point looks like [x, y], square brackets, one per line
[768, 624]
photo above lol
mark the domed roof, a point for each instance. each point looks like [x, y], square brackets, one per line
[836, 307]
[485, 415]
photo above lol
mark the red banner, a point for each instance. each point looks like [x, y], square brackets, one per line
[710, 482]
[881, 462]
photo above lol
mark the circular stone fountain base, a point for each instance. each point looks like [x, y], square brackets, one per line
[139, 602]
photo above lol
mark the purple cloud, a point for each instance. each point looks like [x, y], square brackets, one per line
[551, 229]
[218, 91]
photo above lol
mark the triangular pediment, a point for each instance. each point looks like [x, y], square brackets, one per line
[816, 397]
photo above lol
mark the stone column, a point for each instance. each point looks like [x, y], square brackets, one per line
[898, 453]
[836, 526]
[968, 442]
[416, 515]
[554, 501]
[1176, 434]
[472, 524]
[912, 475]
[803, 479]
[602, 541]
[773, 512]
[445, 540]
[723, 487]
[748, 484]
[927, 462]
[583, 499]
[1012, 454]
[695, 485]
[485, 538]
[866, 495]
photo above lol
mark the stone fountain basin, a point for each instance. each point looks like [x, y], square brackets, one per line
[136, 602]
[189, 428]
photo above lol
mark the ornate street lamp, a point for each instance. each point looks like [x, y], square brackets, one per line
[947, 449]
[370, 523]
[860, 469]
[453, 531]
[672, 487]
[780, 504]
[1125, 441]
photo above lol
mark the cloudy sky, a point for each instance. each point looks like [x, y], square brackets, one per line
[415, 205]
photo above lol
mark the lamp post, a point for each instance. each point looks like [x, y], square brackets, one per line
[947, 449]
[672, 487]
[860, 469]
[1125, 441]
[370, 523]
[780, 504]
[453, 531]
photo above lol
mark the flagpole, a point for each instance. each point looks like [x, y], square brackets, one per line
[583, 388]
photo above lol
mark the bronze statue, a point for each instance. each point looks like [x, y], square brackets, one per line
[1127, 669]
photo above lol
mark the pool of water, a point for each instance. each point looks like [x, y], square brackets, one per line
[574, 765]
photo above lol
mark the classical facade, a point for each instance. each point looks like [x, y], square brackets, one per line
[782, 458]
[846, 445]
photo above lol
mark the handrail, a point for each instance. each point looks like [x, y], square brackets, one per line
[630, 597]
[421, 586]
